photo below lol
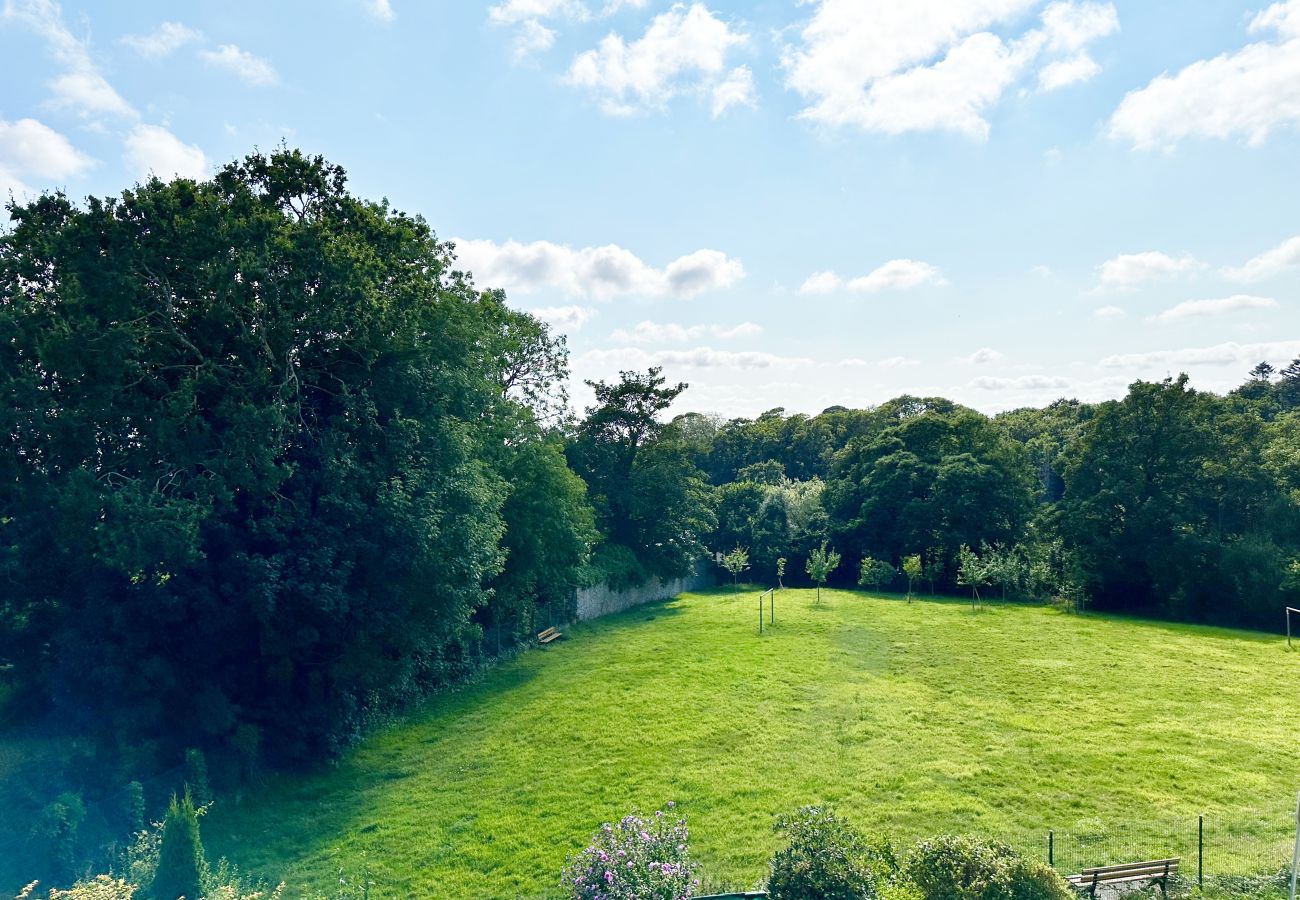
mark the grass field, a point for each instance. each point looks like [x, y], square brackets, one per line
[914, 719]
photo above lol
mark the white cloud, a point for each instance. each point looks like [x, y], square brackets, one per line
[533, 37]
[1271, 262]
[897, 362]
[1128, 270]
[80, 86]
[821, 283]
[568, 317]
[981, 357]
[29, 148]
[513, 12]
[1065, 72]
[744, 329]
[895, 275]
[930, 65]
[1247, 94]
[737, 89]
[600, 272]
[671, 333]
[163, 41]
[1192, 309]
[1226, 354]
[153, 150]
[250, 69]
[684, 50]
[1108, 312]
[852, 363]
[1022, 383]
[698, 358]
[379, 10]
[1072, 26]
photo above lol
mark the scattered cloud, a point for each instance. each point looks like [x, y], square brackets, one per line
[1108, 312]
[895, 275]
[250, 69]
[697, 358]
[1065, 72]
[1226, 354]
[599, 272]
[163, 41]
[932, 65]
[1275, 261]
[1193, 309]
[153, 150]
[1128, 270]
[897, 362]
[683, 51]
[981, 357]
[570, 318]
[1022, 383]
[379, 10]
[1246, 94]
[671, 333]
[852, 363]
[80, 86]
[31, 149]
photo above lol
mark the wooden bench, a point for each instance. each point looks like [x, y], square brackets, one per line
[550, 634]
[1155, 871]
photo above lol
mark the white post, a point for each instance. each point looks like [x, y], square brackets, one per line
[1295, 855]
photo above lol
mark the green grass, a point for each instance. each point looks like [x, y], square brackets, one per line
[914, 719]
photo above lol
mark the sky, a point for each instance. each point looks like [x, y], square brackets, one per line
[784, 203]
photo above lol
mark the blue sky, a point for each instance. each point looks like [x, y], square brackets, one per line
[784, 203]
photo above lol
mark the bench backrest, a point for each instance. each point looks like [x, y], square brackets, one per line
[1154, 867]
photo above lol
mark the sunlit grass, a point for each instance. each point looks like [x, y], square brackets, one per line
[913, 718]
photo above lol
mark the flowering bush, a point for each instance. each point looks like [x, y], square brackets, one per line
[640, 858]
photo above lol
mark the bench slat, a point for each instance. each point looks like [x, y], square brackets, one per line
[1146, 864]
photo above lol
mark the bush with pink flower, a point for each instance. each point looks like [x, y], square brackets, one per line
[640, 858]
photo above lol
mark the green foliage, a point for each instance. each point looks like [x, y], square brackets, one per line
[134, 807]
[262, 417]
[875, 572]
[961, 868]
[821, 563]
[736, 562]
[912, 568]
[936, 475]
[823, 857]
[196, 776]
[780, 570]
[648, 493]
[182, 868]
[57, 831]
[1182, 502]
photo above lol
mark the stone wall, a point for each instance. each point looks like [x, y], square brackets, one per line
[602, 600]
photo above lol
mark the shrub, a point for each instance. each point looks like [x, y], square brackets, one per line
[181, 866]
[824, 857]
[961, 868]
[640, 858]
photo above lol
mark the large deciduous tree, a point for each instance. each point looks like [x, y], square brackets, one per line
[250, 456]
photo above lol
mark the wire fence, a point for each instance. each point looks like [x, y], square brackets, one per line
[1209, 849]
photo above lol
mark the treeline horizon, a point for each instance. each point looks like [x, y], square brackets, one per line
[272, 468]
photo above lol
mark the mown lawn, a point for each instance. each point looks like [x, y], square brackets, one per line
[914, 719]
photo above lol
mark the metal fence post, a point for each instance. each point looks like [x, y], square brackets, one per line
[1200, 851]
[760, 613]
[1051, 848]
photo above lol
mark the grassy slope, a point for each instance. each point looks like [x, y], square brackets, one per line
[916, 718]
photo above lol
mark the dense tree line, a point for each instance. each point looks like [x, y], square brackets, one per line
[1172, 502]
